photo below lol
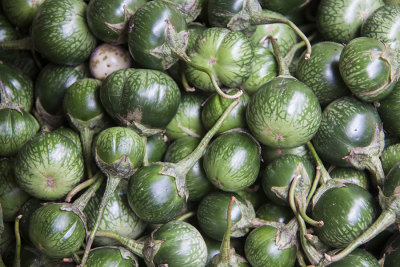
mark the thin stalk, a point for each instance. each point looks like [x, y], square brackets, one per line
[87, 138]
[112, 183]
[300, 259]
[324, 173]
[225, 248]
[82, 201]
[146, 158]
[82, 186]
[185, 83]
[186, 216]
[17, 258]
[133, 245]
[21, 44]
[283, 68]
[314, 185]
[307, 219]
[76, 258]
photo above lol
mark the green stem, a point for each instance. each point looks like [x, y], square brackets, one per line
[374, 165]
[17, 258]
[387, 218]
[112, 183]
[307, 219]
[133, 245]
[82, 186]
[21, 44]
[146, 158]
[283, 68]
[187, 163]
[185, 83]
[186, 216]
[76, 258]
[82, 201]
[225, 248]
[300, 259]
[325, 177]
[87, 138]
[314, 186]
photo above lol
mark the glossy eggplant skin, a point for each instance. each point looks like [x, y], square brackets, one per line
[275, 213]
[389, 110]
[358, 177]
[358, 210]
[390, 156]
[21, 12]
[358, 257]
[111, 257]
[156, 146]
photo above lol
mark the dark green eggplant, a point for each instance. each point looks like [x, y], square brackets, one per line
[71, 135]
[369, 68]
[48, 166]
[282, 6]
[111, 257]
[196, 179]
[275, 213]
[358, 177]
[156, 146]
[269, 154]
[238, 167]
[390, 156]
[187, 121]
[254, 194]
[358, 257]
[340, 20]
[388, 109]
[21, 12]
[108, 20]
[392, 252]
[26, 211]
[321, 72]
[6, 238]
[351, 135]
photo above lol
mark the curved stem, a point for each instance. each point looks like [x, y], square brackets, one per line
[186, 216]
[133, 245]
[21, 44]
[324, 173]
[185, 83]
[283, 68]
[314, 185]
[112, 183]
[374, 165]
[87, 138]
[81, 186]
[17, 258]
[225, 248]
[309, 220]
[387, 218]
[82, 201]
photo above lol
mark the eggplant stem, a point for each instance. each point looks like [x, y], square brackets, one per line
[133, 245]
[185, 84]
[314, 185]
[146, 157]
[306, 218]
[81, 186]
[186, 216]
[283, 67]
[17, 258]
[325, 177]
[226, 241]
[87, 138]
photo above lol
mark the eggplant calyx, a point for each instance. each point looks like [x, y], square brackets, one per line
[119, 168]
[243, 19]
[150, 249]
[51, 121]
[189, 8]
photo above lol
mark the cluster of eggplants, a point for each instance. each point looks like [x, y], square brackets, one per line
[199, 133]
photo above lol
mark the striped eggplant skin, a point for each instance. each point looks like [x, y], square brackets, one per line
[392, 252]
[283, 113]
[108, 20]
[111, 257]
[60, 32]
[358, 177]
[56, 233]
[219, 13]
[147, 32]
[15, 129]
[182, 245]
[227, 54]
[49, 166]
[390, 156]
[21, 12]
[358, 257]
[260, 249]
[340, 20]
[368, 68]
[384, 25]
[148, 97]
[321, 72]
[358, 210]
[389, 110]
[346, 123]
[269, 154]
[232, 161]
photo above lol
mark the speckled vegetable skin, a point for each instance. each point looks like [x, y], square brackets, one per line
[227, 54]
[321, 72]
[283, 113]
[156, 146]
[269, 154]
[60, 32]
[17, 85]
[358, 210]
[232, 161]
[20, 12]
[340, 20]
[111, 257]
[392, 252]
[147, 97]
[389, 110]
[358, 177]
[358, 257]
[390, 156]
[60, 234]
[381, 25]
[275, 213]
[15, 129]
[368, 68]
[108, 20]
[261, 250]
[49, 166]
[278, 175]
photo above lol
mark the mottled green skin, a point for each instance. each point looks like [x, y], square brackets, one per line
[220, 12]
[366, 69]
[392, 181]
[285, 36]
[212, 214]
[156, 147]
[216, 105]
[17, 85]
[283, 113]
[264, 69]
[346, 124]
[358, 257]
[321, 72]
[111, 257]
[196, 180]
[347, 212]
[52, 83]
[55, 232]
[384, 25]
[71, 135]
[60, 33]
[11, 196]
[116, 142]
[21, 12]
[183, 246]
[358, 177]
[117, 13]
[226, 54]
[389, 110]
[269, 154]
[153, 196]
[148, 97]
[232, 162]
[147, 32]
[282, 6]
[81, 100]
[340, 20]
[275, 213]
[392, 252]
[27, 210]
[187, 121]
[390, 156]
[15, 130]
[280, 173]
[260, 249]
[49, 166]
[195, 29]
[212, 249]
[117, 217]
